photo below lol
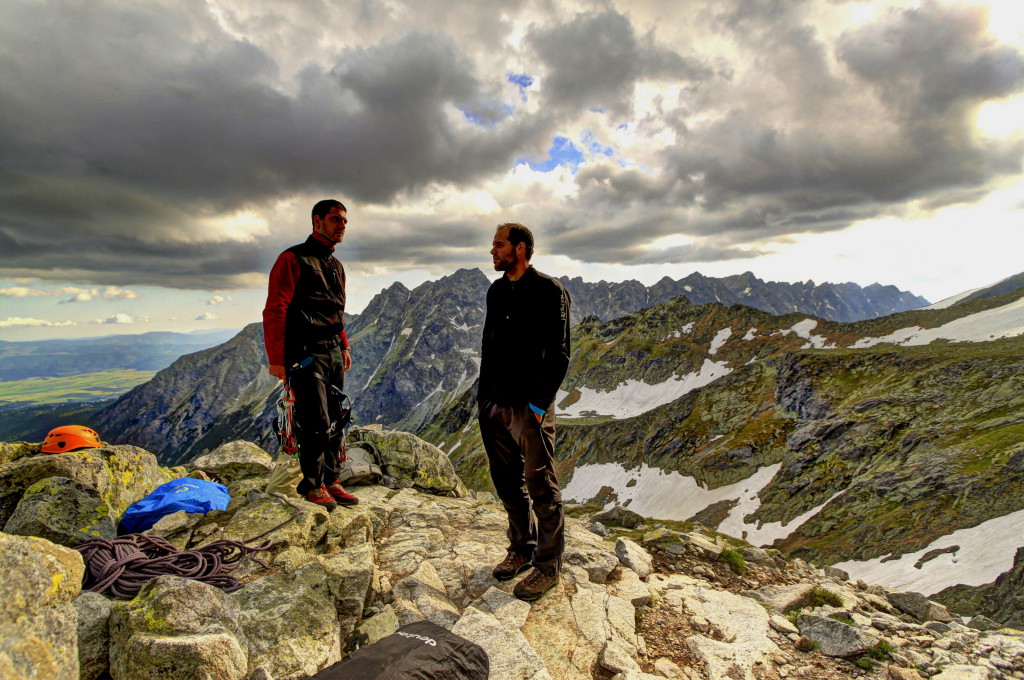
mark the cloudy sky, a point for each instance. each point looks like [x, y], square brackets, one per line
[156, 156]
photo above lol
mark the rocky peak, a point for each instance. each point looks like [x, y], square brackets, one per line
[637, 599]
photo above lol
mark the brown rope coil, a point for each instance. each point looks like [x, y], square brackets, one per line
[121, 566]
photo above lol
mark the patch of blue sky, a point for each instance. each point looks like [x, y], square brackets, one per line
[473, 118]
[521, 80]
[488, 121]
[562, 152]
[596, 147]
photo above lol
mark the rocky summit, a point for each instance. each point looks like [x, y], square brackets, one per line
[638, 599]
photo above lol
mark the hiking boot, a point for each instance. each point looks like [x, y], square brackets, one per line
[343, 497]
[322, 497]
[534, 585]
[513, 564]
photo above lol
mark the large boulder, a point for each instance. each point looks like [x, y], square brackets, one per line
[263, 513]
[412, 462]
[918, 606]
[633, 556]
[835, 638]
[674, 543]
[38, 623]
[177, 628]
[290, 622]
[620, 517]
[122, 475]
[63, 511]
[234, 461]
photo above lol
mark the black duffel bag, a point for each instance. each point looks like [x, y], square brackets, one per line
[418, 651]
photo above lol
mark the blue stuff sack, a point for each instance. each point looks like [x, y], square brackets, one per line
[190, 495]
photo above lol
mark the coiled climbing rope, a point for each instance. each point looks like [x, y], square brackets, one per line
[122, 565]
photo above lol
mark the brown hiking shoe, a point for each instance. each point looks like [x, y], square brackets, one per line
[340, 495]
[322, 497]
[534, 585]
[513, 564]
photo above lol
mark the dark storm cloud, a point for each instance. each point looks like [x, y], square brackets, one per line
[128, 129]
[596, 60]
[398, 129]
[815, 149]
[119, 130]
[423, 240]
[591, 242]
[927, 64]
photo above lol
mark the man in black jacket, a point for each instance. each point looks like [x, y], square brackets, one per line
[524, 357]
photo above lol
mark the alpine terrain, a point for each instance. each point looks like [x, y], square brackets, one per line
[871, 445]
[277, 588]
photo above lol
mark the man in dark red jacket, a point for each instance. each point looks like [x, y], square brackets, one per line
[523, 359]
[304, 334]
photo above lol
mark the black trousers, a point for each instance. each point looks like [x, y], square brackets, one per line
[315, 411]
[521, 455]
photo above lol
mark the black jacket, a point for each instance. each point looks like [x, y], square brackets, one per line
[525, 351]
[317, 309]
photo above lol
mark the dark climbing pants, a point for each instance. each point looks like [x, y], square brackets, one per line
[520, 452]
[316, 412]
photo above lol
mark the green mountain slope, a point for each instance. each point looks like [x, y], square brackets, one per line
[909, 443]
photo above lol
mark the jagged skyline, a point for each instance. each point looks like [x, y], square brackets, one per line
[157, 157]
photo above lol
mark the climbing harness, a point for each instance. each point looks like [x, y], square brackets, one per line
[121, 566]
[284, 424]
[340, 410]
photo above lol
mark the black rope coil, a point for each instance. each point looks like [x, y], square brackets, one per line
[122, 565]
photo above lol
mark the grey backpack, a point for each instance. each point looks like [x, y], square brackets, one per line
[361, 465]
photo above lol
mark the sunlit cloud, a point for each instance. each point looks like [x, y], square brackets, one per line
[218, 299]
[21, 292]
[77, 294]
[16, 321]
[120, 318]
[206, 316]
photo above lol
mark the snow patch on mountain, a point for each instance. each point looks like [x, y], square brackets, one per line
[633, 397]
[1002, 322]
[679, 333]
[803, 330]
[750, 334]
[670, 495]
[950, 301]
[719, 339]
[986, 551]
[768, 533]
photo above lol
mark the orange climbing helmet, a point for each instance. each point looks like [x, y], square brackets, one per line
[70, 438]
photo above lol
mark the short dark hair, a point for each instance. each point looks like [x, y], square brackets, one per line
[323, 207]
[517, 234]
